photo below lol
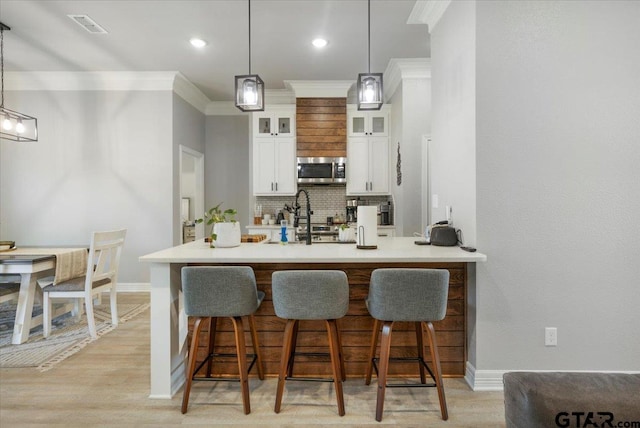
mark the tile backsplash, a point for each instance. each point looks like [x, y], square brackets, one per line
[326, 201]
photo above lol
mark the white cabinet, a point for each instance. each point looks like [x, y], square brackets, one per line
[274, 151]
[367, 123]
[368, 170]
[276, 121]
[274, 166]
[386, 231]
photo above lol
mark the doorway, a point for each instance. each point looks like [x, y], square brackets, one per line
[191, 190]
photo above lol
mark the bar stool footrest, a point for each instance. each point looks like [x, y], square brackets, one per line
[253, 357]
[411, 385]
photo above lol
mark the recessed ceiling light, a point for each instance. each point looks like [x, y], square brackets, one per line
[198, 43]
[319, 43]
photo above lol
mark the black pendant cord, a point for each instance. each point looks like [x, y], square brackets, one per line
[249, 36]
[2, 64]
[369, 35]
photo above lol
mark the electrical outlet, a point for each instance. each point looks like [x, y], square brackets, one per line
[550, 336]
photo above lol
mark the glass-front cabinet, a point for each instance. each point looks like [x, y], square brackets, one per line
[367, 123]
[274, 122]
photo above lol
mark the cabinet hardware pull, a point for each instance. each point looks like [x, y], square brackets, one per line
[272, 186]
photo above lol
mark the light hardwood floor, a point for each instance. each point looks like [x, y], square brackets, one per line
[106, 384]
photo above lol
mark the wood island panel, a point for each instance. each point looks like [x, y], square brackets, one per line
[355, 327]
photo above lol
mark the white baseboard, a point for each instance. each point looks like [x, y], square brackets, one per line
[484, 380]
[134, 287]
[491, 380]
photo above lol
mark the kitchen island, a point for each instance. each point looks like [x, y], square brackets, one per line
[169, 326]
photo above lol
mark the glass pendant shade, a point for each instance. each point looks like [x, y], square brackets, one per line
[249, 92]
[18, 126]
[370, 91]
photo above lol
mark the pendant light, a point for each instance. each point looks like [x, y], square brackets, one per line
[249, 87]
[15, 126]
[369, 84]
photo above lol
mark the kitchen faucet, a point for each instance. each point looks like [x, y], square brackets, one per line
[296, 215]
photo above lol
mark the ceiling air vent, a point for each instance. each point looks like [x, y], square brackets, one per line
[88, 24]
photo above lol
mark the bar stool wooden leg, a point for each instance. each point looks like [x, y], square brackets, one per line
[437, 371]
[334, 345]
[343, 371]
[292, 353]
[284, 361]
[256, 346]
[241, 350]
[385, 349]
[420, 342]
[372, 351]
[193, 353]
[213, 324]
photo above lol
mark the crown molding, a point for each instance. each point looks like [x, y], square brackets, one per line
[400, 69]
[319, 88]
[428, 12]
[190, 92]
[279, 96]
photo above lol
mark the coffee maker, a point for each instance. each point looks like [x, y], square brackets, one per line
[352, 210]
[385, 214]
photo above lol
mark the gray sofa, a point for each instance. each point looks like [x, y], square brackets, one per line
[566, 399]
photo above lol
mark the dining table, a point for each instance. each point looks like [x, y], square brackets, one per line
[50, 265]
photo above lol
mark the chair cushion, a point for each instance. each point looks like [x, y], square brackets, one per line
[220, 291]
[75, 284]
[9, 288]
[310, 294]
[399, 294]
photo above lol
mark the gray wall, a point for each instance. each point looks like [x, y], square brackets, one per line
[452, 152]
[103, 161]
[410, 120]
[227, 162]
[557, 181]
[188, 130]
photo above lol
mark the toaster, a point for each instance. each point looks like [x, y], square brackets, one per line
[444, 236]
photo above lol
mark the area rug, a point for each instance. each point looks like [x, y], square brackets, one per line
[68, 336]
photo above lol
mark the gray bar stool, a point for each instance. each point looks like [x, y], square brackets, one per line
[211, 292]
[310, 295]
[415, 295]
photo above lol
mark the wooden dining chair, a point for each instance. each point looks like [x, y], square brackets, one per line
[101, 276]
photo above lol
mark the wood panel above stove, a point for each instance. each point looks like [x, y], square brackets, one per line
[321, 125]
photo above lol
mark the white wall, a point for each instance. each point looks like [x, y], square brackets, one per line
[103, 161]
[556, 152]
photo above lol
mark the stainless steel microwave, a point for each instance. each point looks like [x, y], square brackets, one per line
[317, 170]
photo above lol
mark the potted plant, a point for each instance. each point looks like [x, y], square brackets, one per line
[225, 230]
[345, 233]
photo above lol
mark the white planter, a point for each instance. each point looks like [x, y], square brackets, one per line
[347, 234]
[227, 235]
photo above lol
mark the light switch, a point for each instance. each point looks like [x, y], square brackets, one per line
[434, 201]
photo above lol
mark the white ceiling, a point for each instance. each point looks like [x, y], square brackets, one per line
[153, 35]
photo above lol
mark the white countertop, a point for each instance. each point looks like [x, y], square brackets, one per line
[389, 250]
